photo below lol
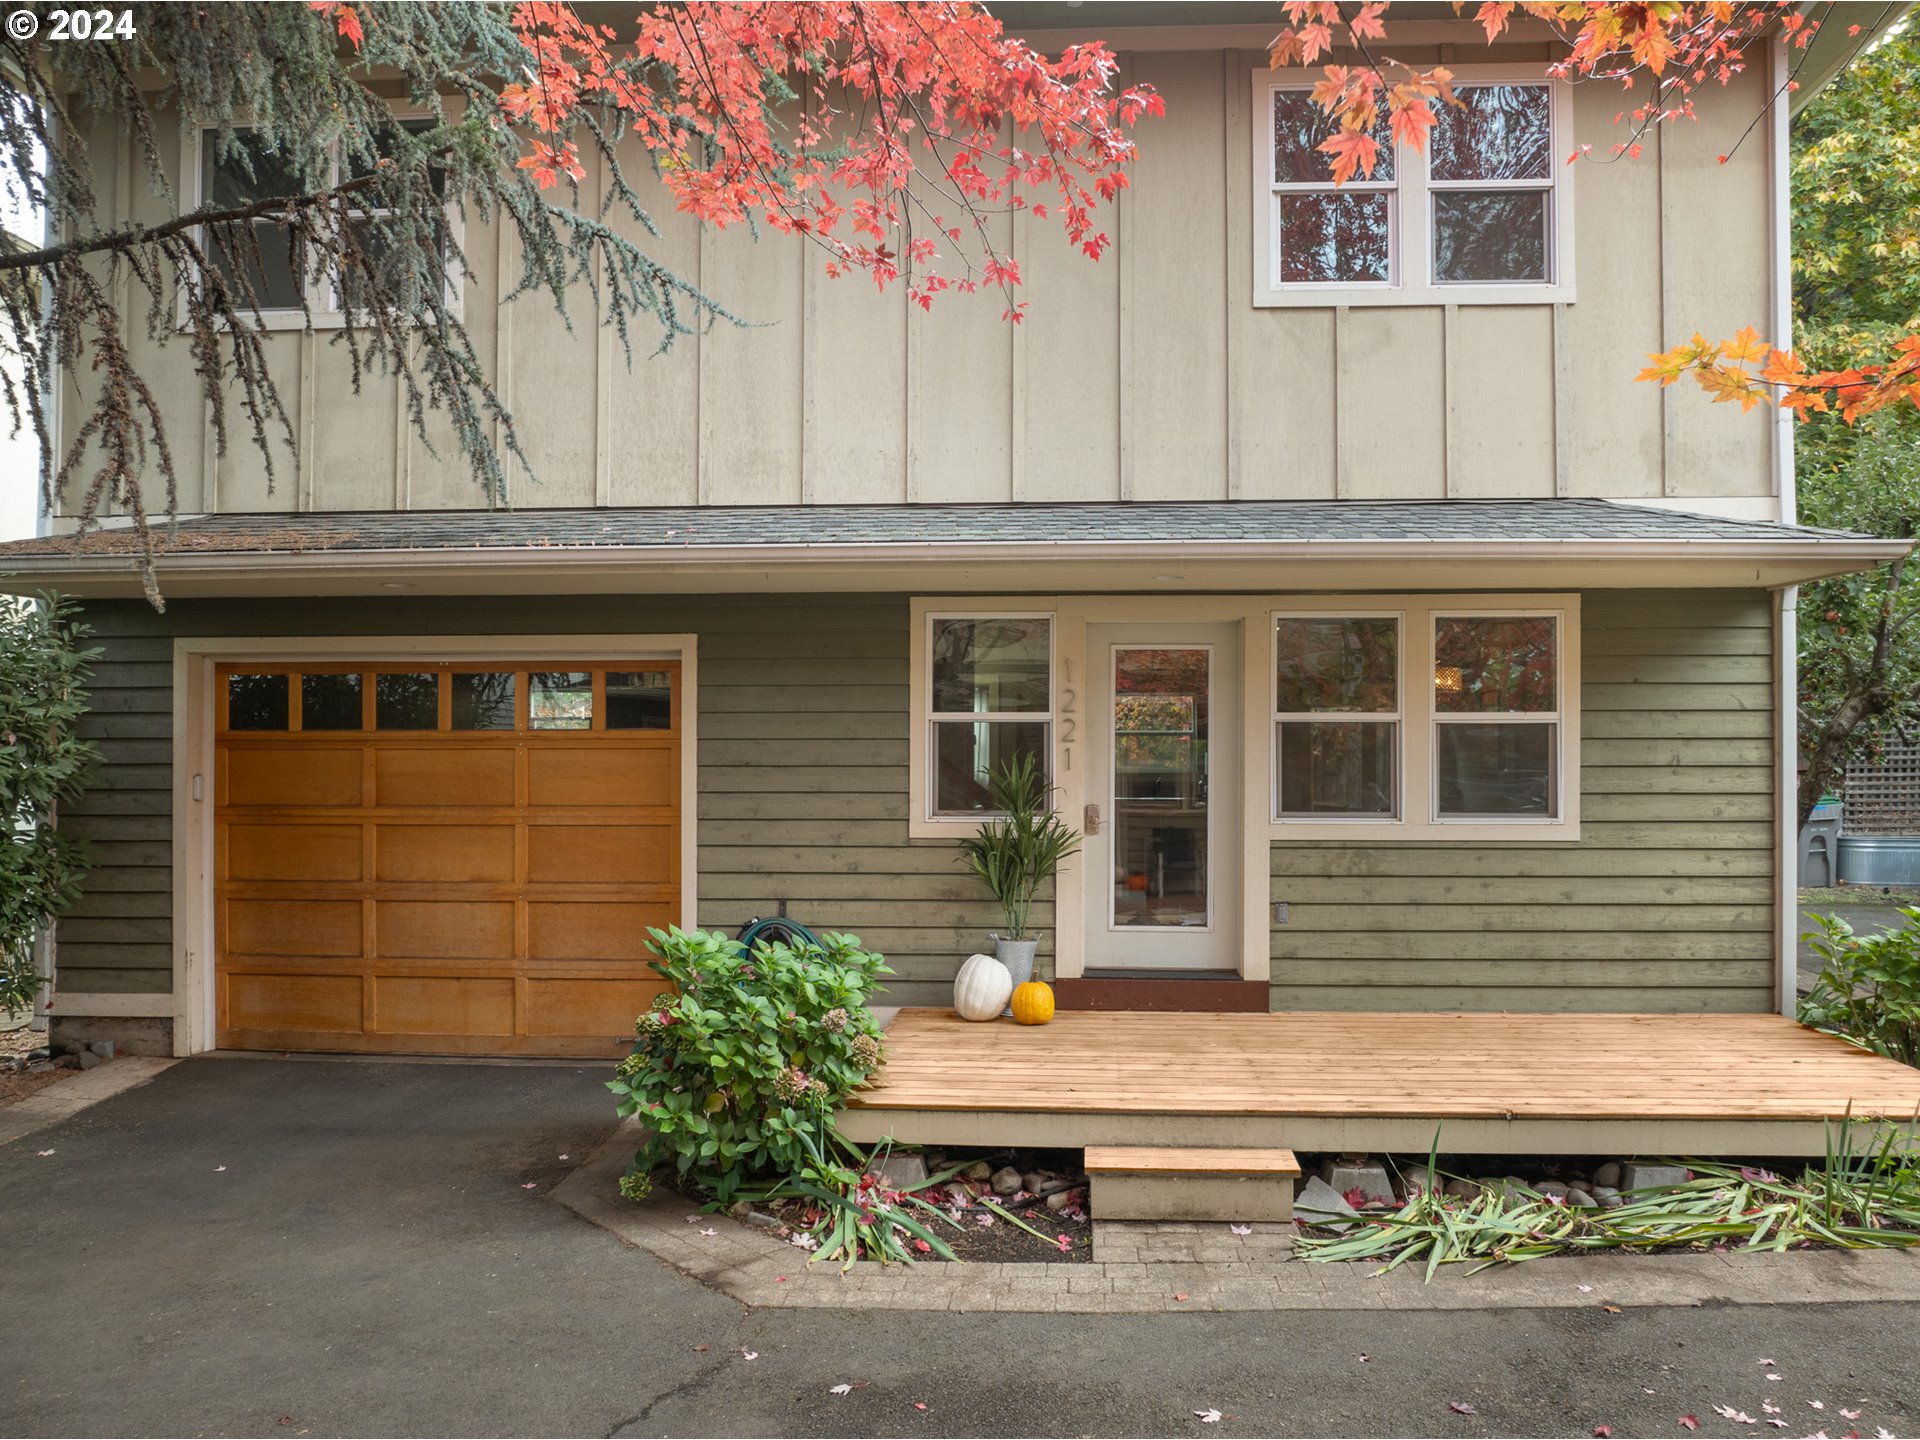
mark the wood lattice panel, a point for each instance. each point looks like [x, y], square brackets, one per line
[452, 889]
[1883, 796]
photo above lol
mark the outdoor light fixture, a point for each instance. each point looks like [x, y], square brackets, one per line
[1446, 678]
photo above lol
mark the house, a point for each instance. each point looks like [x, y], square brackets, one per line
[1396, 652]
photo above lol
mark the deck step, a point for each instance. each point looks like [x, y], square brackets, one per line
[1149, 1182]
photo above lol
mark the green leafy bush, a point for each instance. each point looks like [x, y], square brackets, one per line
[739, 1068]
[1869, 986]
[43, 763]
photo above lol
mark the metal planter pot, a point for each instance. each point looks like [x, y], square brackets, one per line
[1017, 956]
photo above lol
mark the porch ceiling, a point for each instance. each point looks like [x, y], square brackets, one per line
[1270, 545]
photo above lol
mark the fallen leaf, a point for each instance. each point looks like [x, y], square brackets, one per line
[1817, 1404]
[919, 1404]
[840, 1390]
[1689, 1422]
[1775, 1375]
[699, 1349]
[1181, 1296]
[566, 1157]
[1364, 1359]
[1066, 1245]
[44, 1153]
[1611, 1309]
[1461, 1407]
[693, 1219]
[1605, 1432]
[1769, 1407]
[1850, 1414]
[749, 1354]
[1241, 1229]
[708, 1230]
[218, 1168]
[285, 1420]
[1768, 1363]
[531, 1185]
[1208, 1417]
[1584, 1289]
[1777, 1424]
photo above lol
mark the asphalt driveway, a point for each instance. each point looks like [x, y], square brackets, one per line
[368, 1262]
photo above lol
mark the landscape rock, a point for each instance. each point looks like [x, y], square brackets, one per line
[1635, 1176]
[1006, 1182]
[1608, 1175]
[1038, 1180]
[1060, 1200]
[102, 1048]
[1580, 1199]
[1358, 1172]
[1464, 1189]
[1318, 1203]
[1553, 1189]
[979, 1170]
[902, 1169]
[740, 1210]
[73, 1047]
[1608, 1197]
[1419, 1180]
[88, 1060]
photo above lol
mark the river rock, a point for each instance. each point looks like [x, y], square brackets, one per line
[1580, 1199]
[1607, 1176]
[979, 1170]
[1553, 1189]
[1006, 1181]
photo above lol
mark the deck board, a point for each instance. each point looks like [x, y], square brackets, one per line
[1395, 1065]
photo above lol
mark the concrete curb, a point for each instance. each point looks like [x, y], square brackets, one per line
[69, 1097]
[758, 1270]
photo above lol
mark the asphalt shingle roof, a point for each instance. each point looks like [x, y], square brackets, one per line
[1148, 522]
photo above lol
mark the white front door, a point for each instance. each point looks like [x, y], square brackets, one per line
[1163, 865]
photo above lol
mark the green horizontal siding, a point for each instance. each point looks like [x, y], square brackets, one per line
[802, 784]
[1666, 903]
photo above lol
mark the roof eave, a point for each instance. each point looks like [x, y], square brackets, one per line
[1028, 565]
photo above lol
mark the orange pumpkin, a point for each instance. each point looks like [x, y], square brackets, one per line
[1033, 1003]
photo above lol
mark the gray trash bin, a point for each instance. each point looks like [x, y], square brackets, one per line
[1820, 845]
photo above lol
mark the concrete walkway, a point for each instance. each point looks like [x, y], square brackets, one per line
[349, 1248]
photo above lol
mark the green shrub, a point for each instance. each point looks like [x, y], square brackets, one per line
[43, 763]
[1869, 986]
[739, 1068]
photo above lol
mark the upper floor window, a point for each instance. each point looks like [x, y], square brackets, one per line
[1483, 216]
[243, 170]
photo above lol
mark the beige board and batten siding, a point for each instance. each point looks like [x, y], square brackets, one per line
[1147, 375]
[1666, 903]
[802, 744]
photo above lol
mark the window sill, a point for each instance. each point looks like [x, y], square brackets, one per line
[1340, 297]
[1395, 832]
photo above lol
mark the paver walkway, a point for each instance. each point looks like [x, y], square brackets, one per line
[1160, 1268]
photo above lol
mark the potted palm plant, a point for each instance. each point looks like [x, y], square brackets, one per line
[1016, 853]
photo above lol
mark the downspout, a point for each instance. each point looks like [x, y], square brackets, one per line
[1786, 629]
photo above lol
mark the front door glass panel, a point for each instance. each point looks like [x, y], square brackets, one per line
[1160, 827]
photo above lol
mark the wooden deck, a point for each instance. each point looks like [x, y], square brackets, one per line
[1492, 1083]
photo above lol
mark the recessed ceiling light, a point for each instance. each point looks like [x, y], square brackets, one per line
[396, 584]
[1169, 577]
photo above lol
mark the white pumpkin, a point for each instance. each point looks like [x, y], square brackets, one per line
[982, 988]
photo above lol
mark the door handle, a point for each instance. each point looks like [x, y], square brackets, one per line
[1091, 820]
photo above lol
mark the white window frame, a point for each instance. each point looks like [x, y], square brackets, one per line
[1410, 210]
[1555, 717]
[924, 820]
[323, 292]
[1398, 716]
[1419, 819]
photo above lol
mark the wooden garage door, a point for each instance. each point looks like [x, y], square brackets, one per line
[444, 859]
